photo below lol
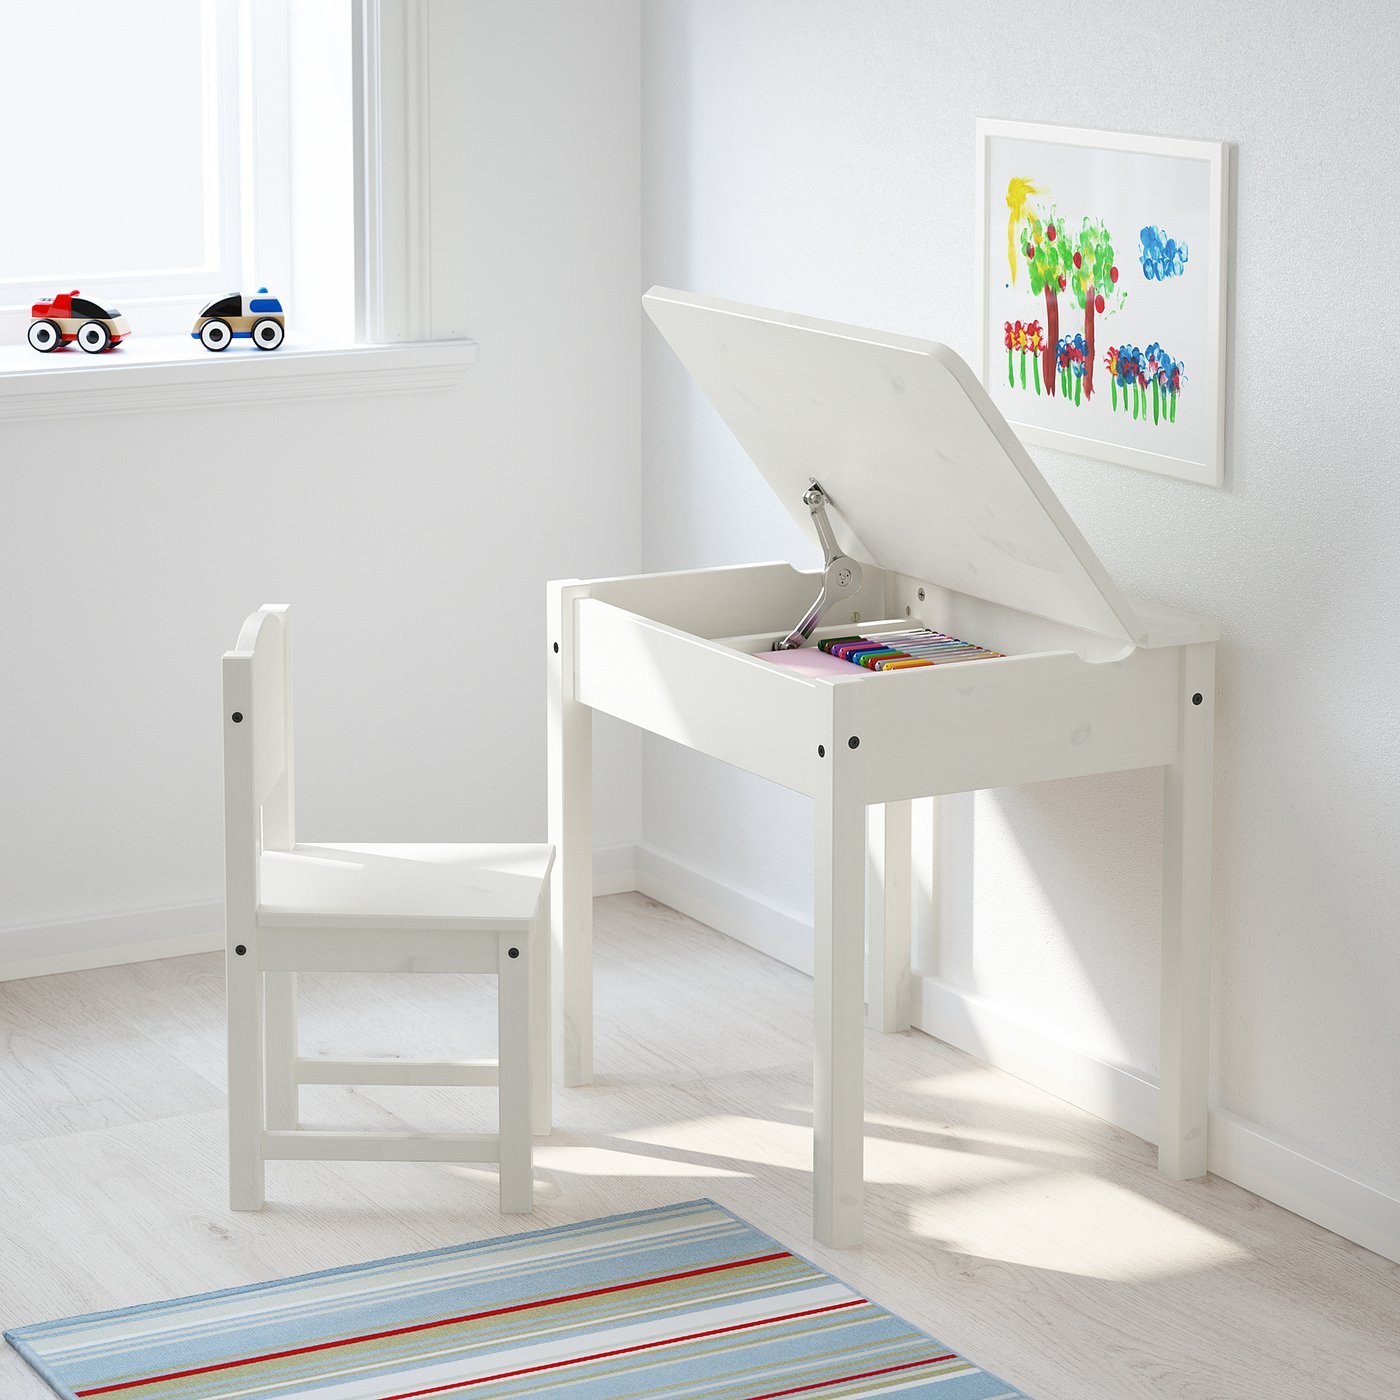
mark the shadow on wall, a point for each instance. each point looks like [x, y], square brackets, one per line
[1066, 935]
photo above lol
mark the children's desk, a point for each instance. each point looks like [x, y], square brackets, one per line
[932, 514]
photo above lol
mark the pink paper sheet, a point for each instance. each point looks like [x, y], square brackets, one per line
[810, 662]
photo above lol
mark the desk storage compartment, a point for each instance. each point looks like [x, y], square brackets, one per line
[1026, 716]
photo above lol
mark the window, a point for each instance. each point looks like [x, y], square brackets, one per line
[176, 153]
[160, 153]
[121, 129]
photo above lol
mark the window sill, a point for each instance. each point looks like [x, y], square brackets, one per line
[176, 372]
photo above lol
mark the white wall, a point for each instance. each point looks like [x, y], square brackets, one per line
[409, 533]
[819, 156]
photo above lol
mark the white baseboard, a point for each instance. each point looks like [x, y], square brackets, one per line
[70, 945]
[1240, 1151]
[614, 869]
[969, 1022]
[176, 930]
[729, 908]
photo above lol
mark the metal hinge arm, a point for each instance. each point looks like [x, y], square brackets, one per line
[840, 578]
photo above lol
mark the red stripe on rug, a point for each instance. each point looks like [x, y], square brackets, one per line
[428, 1326]
[626, 1351]
[861, 1376]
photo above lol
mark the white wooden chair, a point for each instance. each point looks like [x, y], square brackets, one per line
[295, 908]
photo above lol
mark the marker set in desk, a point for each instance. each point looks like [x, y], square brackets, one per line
[895, 651]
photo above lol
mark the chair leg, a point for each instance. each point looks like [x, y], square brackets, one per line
[245, 1079]
[516, 1150]
[280, 1011]
[541, 1016]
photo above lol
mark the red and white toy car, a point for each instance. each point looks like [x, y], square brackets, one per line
[68, 317]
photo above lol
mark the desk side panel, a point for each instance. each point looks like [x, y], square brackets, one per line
[1025, 719]
[732, 707]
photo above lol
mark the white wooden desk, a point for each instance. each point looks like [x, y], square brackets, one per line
[961, 534]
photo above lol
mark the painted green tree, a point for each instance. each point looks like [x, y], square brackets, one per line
[1093, 277]
[1047, 256]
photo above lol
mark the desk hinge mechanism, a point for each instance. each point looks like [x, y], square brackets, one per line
[840, 578]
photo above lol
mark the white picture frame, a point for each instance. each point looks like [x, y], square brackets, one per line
[1153, 207]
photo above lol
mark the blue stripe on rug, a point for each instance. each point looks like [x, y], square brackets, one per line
[686, 1302]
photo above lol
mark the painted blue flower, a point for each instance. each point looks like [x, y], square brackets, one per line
[1130, 365]
[1163, 368]
[1070, 353]
[1161, 257]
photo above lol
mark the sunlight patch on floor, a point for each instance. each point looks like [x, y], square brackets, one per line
[764, 1142]
[579, 1160]
[744, 1139]
[1036, 1145]
[1076, 1224]
[973, 1085]
[956, 1168]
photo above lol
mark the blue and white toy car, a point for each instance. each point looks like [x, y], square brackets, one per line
[257, 318]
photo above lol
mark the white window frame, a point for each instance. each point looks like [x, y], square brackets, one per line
[393, 250]
[264, 150]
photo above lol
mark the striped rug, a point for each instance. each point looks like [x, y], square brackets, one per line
[684, 1301]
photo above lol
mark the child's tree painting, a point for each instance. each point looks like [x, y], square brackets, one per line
[1108, 288]
[1084, 262]
[1042, 247]
[1095, 283]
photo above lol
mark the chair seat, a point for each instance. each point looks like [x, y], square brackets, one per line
[467, 887]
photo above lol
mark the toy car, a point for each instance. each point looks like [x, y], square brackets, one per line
[68, 317]
[257, 318]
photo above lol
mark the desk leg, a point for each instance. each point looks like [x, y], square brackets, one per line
[889, 913]
[1185, 1052]
[839, 1115]
[571, 834]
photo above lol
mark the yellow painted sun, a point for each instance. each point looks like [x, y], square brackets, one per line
[1018, 191]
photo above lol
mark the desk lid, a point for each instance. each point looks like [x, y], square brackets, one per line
[925, 474]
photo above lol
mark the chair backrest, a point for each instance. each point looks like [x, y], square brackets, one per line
[258, 791]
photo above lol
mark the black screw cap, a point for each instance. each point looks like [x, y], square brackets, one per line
[854, 741]
[240, 950]
[1197, 698]
[512, 952]
[237, 716]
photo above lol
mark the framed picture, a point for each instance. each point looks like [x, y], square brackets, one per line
[1101, 293]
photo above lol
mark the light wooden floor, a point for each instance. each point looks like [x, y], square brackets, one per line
[1031, 1236]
